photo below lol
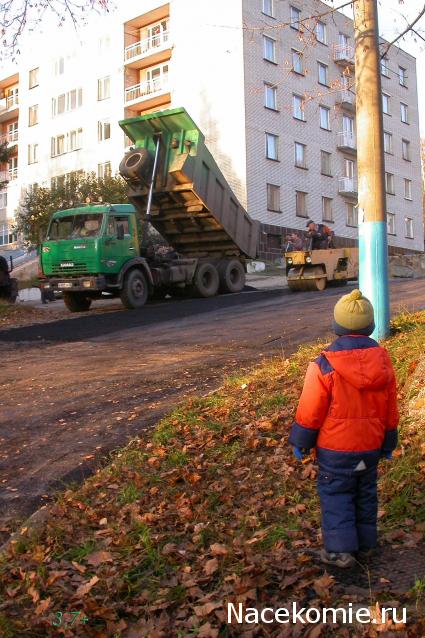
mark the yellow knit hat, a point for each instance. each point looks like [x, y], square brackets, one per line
[353, 314]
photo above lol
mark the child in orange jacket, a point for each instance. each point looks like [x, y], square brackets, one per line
[348, 412]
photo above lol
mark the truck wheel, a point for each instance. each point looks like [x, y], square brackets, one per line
[232, 276]
[206, 280]
[76, 301]
[137, 164]
[134, 293]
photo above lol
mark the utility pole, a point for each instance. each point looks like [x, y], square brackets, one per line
[373, 246]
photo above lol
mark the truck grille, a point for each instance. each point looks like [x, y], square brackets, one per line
[79, 267]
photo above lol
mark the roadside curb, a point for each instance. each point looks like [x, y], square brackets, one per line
[32, 523]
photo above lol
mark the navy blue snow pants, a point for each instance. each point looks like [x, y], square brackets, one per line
[349, 504]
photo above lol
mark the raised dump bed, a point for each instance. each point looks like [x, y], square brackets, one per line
[192, 205]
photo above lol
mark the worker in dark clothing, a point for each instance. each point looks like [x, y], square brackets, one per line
[321, 236]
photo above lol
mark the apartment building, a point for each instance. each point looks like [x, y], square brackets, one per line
[272, 89]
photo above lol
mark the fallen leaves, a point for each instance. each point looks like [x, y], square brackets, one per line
[86, 587]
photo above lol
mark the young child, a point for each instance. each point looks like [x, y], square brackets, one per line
[348, 412]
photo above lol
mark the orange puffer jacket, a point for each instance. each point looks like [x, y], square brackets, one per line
[348, 406]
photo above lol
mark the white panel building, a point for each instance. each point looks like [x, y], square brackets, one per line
[272, 91]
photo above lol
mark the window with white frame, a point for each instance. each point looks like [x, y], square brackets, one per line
[402, 76]
[269, 49]
[327, 213]
[32, 153]
[388, 142]
[12, 132]
[301, 204]
[322, 73]
[59, 66]
[33, 78]
[103, 130]
[104, 88]
[3, 199]
[104, 170]
[295, 18]
[386, 106]
[349, 168]
[300, 155]
[352, 215]
[273, 198]
[407, 188]
[75, 139]
[272, 144]
[33, 115]
[13, 167]
[321, 32]
[391, 223]
[384, 67]
[57, 145]
[61, 144]
[405, 149]
[270, 96]
[66, 102]
[325, 163]
[404, 113]
[389, 183]
[325, 117]
[298, 107]
[297, 61]
[408, 225]
[268, 8]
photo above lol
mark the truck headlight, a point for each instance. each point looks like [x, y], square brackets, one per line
[87, 283]
[46, 249]
[289, 260]
[308, 260]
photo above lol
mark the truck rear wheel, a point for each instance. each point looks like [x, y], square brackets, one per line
[232, 275]
[76, 301]
[134, 293]
[206, 280]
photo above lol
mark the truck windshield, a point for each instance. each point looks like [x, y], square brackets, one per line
[75, 226]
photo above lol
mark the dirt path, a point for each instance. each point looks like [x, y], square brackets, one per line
[74, 390]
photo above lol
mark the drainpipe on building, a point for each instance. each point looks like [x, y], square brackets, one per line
[373, 245]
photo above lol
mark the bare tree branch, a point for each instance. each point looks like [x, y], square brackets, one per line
[403, 33]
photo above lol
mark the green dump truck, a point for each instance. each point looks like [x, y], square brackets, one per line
[175, 185]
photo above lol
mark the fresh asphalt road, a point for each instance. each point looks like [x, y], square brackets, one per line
[75, 389]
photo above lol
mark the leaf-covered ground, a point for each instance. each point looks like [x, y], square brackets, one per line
[210, 507]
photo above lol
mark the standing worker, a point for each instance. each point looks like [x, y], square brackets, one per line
[321, 236]
[348, 412]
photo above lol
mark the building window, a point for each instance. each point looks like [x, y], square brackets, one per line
[322, 71]
[103, 130]
[104, 88]
[59, 66]
[301, 204]
[74, 141]
[386, 104]
[272, 143]
[300, 155]
[57, 145]
[3, 199]
[325, 117]
[321, 34]
[104, 170]
[268, 8]
[327, 213]
[270, 96]
[32, 153]
[391, 223]
[349, 168]
[13, 132]
[388, 142]
[352, 216]
[402, 76]
[325, 163]
[384, 67]
[33, 115]
[407, 188]
[297, 62]
[295, 18]
[404, 113]
[33, 78]
[389, 183]
[405, 149]
[269, 49]
[298, 107]
[273, 198]
[13, 167]
[67, 102]
[408, 225]
[62, 144]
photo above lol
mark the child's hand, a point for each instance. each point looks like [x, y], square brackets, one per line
[388, 455]
[299, 453]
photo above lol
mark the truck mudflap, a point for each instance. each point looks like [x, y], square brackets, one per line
[88, 283]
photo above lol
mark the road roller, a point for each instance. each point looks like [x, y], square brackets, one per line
[316, 269]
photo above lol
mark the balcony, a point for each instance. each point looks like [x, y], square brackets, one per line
[12, 173]
[346, 99]
[9, 107]
[152, 50]
[9, 138]
[4, 177]
[344, 54]
[346, 142]
[347, 186]
[148, 93]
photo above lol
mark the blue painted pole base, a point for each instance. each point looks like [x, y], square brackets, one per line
[373, 273]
